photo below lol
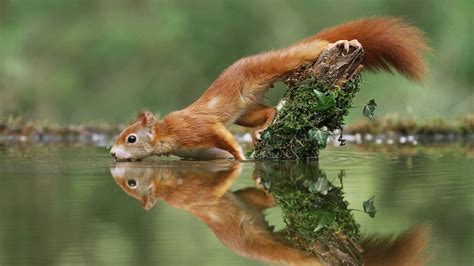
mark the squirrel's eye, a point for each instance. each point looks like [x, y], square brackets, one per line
[131, 183]
[132, 138]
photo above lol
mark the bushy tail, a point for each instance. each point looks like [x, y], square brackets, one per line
[405, 250]
[387, 42]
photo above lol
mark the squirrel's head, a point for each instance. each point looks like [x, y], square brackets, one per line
[181, 184]
[137, 181]
[137, 140]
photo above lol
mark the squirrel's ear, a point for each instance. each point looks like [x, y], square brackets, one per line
[147, 119]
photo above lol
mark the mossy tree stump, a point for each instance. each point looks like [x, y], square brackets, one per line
[317, 217]
[317, 99]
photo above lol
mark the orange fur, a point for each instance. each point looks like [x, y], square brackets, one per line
[236, 218]
[237, 94]
[386, 42]
[260, 116]
[406, 249]
[203, 190]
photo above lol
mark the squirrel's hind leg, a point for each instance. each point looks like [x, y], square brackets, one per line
[260, 117]
[257, 198]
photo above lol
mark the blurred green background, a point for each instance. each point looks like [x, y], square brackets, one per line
[100, 60]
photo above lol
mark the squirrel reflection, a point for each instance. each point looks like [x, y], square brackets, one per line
[236, 217]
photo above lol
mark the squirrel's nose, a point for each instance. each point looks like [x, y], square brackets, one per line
[112, 153]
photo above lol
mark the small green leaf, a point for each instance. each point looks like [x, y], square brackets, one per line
[321, 186]
[369, 109]
[250, 154]
[325, 219]
[319, 94]
[369, 207]
[267, 185]
[324, 101]
[319, 136]
[266, 135]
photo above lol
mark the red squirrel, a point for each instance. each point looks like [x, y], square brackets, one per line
[200, 130]
[237, 218]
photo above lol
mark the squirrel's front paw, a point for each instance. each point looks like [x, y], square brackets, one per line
[346, 44]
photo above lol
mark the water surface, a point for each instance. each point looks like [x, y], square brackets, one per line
[59, 204]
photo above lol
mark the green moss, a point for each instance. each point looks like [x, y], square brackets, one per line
[311, 110]
[317, 216]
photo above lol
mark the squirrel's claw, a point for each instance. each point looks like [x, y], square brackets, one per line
[346, 44]
[257, 136]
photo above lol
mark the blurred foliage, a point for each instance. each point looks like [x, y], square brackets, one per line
[392, 123]
[96, 60]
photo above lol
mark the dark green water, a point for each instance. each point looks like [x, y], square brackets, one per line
[60, 205]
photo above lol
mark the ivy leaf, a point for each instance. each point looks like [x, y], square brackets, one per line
[250, 154]
[319, 136]
[266, 135]
[267, 184]
[325, 219]
[320, 186]
[369, 109]
[324, 101]
[369, 207]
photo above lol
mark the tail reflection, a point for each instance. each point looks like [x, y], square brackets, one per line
[236, 217]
